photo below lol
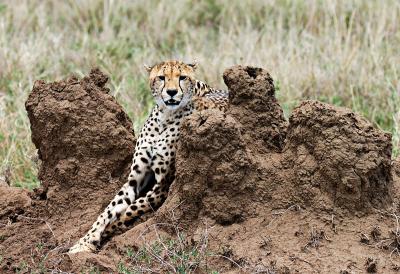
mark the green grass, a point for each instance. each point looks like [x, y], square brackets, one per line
[168, 255]
[341, 52]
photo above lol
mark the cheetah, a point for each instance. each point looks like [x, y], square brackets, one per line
[177, 94]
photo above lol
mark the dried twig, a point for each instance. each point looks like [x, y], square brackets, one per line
[229, 259]
[37, 219]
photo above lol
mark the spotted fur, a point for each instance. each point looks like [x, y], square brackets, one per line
[177, 94]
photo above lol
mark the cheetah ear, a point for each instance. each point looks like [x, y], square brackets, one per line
[193, 64]
[148, 68]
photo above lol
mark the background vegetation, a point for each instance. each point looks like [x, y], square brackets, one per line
[342, 52]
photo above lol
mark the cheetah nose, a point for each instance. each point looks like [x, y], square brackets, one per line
[172, 92]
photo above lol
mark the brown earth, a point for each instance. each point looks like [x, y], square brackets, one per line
[316, 194]
[85, 143]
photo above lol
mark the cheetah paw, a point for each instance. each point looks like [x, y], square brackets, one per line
[82, 247]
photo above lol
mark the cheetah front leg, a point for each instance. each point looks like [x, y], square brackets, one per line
[153, 199]
[126, 195]
[163, 167]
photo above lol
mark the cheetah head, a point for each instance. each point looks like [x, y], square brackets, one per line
[172, 84]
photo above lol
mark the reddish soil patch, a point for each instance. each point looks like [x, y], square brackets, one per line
[316, 194]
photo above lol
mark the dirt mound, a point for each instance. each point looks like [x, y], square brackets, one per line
[261, 193]
[255, 108]
[338, 156]
[266, 192]
[12, 201]
[331, 159]
[85, 143]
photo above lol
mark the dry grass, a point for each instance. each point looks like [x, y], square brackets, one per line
[167, 255]
[315, 238]
[392, 243]
[341, 52]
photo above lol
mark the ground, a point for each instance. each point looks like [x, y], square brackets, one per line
[343, 52]
[254, 192]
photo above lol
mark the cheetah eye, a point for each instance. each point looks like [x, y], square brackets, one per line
[162, 78]
[182, 78]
